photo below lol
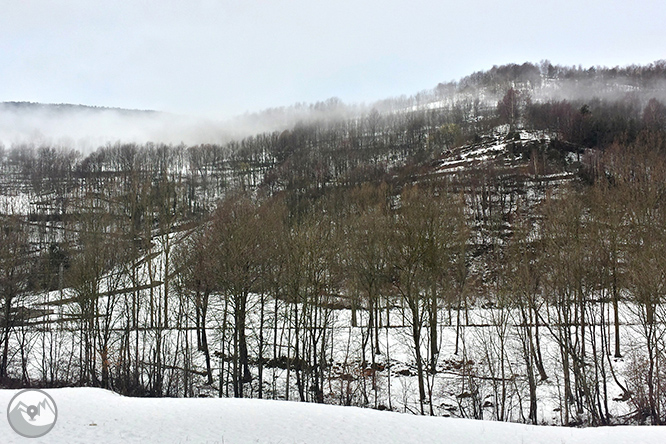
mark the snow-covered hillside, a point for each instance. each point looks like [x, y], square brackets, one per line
[87, 415]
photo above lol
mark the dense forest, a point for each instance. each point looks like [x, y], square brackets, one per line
[491, 248]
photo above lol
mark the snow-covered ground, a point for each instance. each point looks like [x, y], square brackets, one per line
[87, 415]
[347, 380]
[498, 146]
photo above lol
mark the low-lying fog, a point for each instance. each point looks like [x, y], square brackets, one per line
[86, 128]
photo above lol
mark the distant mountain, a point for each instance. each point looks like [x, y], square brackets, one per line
[86, 128]
[67, 107]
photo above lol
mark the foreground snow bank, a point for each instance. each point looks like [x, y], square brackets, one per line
[87, 415]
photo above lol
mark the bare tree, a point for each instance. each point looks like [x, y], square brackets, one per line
[14, 272]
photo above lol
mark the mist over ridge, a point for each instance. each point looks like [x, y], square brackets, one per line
[85, 128]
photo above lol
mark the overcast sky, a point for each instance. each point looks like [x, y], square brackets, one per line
[226, 57]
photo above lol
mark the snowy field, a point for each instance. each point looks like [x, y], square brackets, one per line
[87, 415]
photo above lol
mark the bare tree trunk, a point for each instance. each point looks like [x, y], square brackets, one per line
[416, 338]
